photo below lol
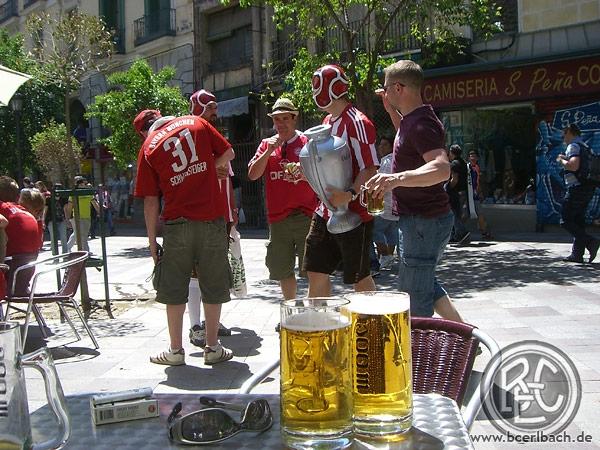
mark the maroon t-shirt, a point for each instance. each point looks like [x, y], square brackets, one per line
[420, 132]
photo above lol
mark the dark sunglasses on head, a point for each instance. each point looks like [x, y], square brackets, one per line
[211, 425]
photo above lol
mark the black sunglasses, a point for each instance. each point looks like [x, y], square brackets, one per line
[211, 425]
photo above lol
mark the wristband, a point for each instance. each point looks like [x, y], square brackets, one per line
[353, 193]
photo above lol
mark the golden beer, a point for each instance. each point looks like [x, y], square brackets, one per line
[374, 205]
[381, 362]
[316, 382]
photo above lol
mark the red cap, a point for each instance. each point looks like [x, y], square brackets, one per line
[141, 120]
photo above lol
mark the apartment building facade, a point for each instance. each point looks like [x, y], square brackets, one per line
[160, 31]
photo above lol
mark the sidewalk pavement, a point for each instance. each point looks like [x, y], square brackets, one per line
[514, 289]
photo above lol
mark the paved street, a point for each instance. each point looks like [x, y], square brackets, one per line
[515, 290]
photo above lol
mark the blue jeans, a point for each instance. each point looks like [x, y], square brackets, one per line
[424, 241]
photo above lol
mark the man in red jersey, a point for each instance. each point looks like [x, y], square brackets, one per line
[23, 244]
[290, 199]
[325, 250]
[179, 160]
[204, 104]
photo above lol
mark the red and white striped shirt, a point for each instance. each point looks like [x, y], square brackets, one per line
[358, 131]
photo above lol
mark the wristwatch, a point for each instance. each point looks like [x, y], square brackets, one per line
[354, 194]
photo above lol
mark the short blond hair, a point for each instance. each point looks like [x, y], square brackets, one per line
[406, 72]
[33, 201]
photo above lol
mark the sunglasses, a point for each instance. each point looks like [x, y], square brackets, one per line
[211, 425]
[386, 87]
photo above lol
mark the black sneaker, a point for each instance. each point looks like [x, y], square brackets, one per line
[465, 239]
[278, 328]
[197, 336]
[223, 330]
[574, 259]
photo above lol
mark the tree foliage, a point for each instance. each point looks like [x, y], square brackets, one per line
[58, 160]
[130, 92]
[360, 31]
[41, 103]
[66, 48]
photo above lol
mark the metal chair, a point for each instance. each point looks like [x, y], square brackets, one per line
[74, 264]
[443, 353]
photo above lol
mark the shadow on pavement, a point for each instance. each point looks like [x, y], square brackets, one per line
[194, 378]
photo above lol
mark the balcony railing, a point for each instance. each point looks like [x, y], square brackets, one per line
[334, 37]
[398, 37]
[8, 10]
[283, 54]
[153, 26]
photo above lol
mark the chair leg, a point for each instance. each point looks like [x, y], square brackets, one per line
[40, 320]
[86, 326]
[70, 322]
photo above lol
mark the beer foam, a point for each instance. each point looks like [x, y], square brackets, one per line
[378, 303]
[316, 321]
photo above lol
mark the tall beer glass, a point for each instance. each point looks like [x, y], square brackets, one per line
[381, 363]
[316, 382]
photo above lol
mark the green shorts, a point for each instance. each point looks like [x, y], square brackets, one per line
[192, 244]
[286, 240]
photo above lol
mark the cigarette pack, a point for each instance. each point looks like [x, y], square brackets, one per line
[121, 411]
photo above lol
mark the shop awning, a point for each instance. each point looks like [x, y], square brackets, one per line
[233, 107]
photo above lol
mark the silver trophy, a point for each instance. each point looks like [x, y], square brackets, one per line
[326, 162]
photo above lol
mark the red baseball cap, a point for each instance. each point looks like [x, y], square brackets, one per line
[140, 123]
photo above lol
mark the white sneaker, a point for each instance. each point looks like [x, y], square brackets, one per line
[386, 261]
[216, 354]
[169, 358]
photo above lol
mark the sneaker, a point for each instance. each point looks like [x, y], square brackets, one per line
[386, 262]
[574, 259]
[169, 358]
[197, 336]
[278, 328]
[223, 330]
[375, 273]
[216, 354]
[594, 250]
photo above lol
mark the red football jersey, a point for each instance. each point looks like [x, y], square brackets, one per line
[22, 231]
[179, 162]
[284, 197]
[358, 131]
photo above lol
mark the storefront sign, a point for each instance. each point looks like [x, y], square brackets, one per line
[586, 117]
[574, 77]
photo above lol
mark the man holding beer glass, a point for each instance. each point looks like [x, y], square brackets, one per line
[325, 250]
[420, 169]
[290, 199]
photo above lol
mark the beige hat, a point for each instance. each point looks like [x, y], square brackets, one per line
[283, 106]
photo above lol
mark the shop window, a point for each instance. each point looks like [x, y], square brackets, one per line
[505, 139]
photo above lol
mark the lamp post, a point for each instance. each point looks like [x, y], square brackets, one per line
[16, 104]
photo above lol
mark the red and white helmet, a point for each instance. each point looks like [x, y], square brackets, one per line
[329, 83]
[199, 100]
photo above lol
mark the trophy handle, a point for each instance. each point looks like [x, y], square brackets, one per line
[313, 154]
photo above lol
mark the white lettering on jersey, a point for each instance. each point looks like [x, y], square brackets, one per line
[195, 168]
[276, 175]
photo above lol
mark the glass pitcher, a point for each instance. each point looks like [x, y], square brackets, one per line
[15, 430]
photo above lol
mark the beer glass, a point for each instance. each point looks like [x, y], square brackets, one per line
[373, 204]
[381, 363]
[316, 382]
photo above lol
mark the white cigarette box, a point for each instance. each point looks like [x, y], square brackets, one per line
[124, 410]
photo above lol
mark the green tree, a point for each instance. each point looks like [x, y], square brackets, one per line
[358, 31]
[130, 92]
[41, 103]
[58, 160]
[66, 48]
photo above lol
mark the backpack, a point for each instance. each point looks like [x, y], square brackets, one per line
[589, 166]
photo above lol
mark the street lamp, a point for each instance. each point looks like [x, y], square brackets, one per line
[16, 104]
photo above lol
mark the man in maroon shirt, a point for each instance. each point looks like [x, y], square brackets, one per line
[420, 169]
